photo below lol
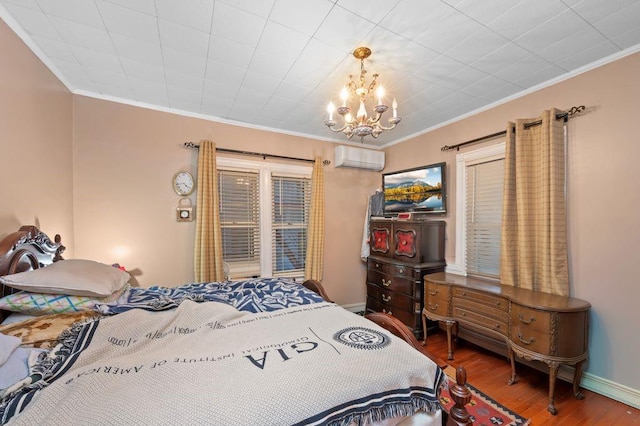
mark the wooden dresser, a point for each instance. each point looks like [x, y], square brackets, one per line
[533, 326]
[402, 253]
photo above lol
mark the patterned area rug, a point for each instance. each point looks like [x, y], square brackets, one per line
[483, 410]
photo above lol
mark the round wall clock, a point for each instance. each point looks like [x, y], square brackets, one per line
[183, 183]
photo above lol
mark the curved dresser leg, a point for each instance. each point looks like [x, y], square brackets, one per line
[512, 360]
[449, 325]
[576, 381]
[424, 329]
[553, 373]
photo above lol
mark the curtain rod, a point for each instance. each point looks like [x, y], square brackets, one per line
[258, 154]
[565, 115]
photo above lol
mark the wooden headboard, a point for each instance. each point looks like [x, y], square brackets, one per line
[24, 250]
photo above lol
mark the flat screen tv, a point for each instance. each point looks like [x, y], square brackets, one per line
[417, 190]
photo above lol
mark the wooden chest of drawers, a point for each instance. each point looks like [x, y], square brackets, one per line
[402, 253]
[531, 325]
[395, 287]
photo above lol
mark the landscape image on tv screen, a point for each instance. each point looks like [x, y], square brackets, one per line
[415, 190]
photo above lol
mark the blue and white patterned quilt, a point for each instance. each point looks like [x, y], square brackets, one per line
[253, 295]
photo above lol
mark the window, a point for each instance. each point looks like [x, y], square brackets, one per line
[291, 200]
[240, 221]
[264, 211]
[479, 183]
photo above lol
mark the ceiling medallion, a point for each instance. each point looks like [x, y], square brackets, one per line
[362, 124]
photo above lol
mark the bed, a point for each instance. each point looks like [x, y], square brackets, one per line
[265, 351]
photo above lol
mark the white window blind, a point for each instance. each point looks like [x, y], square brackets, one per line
[290, 214]
[240, 221]
[483, 188]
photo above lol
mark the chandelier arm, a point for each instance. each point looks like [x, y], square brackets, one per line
[393, 126]
[331, 127]
[376, 119]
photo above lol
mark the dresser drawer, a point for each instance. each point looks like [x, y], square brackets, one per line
[403, 271]
[392, 269]
[481, 309]
[437, 299]
[391, 282]
[487, 299]
[480, 320]
[531, 329]
[532, 340]
[377, 266]
[409, 318]
[530, 319]
[391, 298]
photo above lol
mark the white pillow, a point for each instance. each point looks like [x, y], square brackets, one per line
[76, 277]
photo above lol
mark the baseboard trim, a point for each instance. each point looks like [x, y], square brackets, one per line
[355, 307]
[610, 389]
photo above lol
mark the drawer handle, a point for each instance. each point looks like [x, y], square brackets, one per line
[433, 292]
[464, 293]
[401, 271]
[387, 312]
[464, 314]
[386, 283]
[524, 321]
[377, 265]
[498, 303]
[497, 326]
[386, 298]
[526, 342]
[433, 307]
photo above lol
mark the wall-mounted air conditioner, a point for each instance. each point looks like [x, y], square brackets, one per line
[349, 156]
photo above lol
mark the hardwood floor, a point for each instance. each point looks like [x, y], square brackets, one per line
[528, 397]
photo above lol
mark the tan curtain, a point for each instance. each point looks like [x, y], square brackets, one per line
[208, 264]
[534, 240]
[314, 261]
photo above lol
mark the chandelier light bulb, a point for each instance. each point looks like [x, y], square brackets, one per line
[330, 109]
[344, 95]
[394, 105]
[380, 94]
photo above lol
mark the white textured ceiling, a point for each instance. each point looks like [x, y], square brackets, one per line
[275, 64]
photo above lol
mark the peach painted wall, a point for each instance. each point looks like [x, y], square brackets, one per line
[124, 159]
[603, 198]
[35, 143]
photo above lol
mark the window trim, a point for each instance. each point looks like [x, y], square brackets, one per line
[264, 169]
[492, 152]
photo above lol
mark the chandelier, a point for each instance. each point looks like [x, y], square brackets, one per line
[362, 124]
